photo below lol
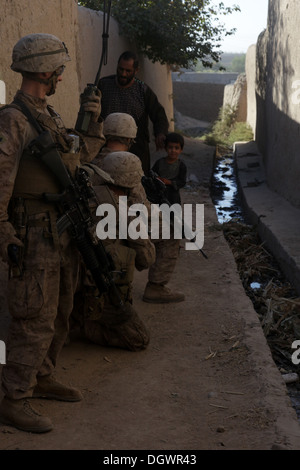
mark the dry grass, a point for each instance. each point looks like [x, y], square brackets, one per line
[273, 297]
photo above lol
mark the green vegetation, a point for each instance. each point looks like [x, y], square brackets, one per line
[179, 33]
[226, 130]
[238, 64]
[231, 62]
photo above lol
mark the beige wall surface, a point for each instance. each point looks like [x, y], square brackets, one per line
[21, 17]
[250, 68]
[235, 95]
[81, 30]
[278, 98]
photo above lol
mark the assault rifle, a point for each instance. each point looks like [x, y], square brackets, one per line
[77, 218]
[156, 193]
[75, 202]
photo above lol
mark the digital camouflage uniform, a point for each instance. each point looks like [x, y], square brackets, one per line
[102, 320]
[120, 129]
[40, 298]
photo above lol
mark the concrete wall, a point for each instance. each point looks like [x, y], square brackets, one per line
[81, 30]
[278, 98]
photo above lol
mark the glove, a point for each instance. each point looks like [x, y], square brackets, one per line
[90, 100]
[7, 237]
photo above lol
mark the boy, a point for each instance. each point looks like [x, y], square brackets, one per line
[170, 169]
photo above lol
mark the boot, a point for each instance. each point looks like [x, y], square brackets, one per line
[20, 414]
[48, 387]
[160, 294]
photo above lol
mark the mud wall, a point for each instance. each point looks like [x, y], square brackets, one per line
[81, 30]
[250, 68]
[235, 95]
[277, 90]
[200, 101]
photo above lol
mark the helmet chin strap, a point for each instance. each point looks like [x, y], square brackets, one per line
[46, 81]
[52, 81]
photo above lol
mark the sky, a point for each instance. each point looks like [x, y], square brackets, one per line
[249, 22]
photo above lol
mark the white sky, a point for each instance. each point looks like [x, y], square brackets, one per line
[249, 22]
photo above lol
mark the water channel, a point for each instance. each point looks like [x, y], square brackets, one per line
[225, 196]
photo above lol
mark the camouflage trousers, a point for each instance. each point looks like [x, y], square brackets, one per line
[110, 319]
[167, 252]
[40, 303]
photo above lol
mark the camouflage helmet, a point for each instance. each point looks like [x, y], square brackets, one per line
[39, 53]
[124, 167]
[120, 125]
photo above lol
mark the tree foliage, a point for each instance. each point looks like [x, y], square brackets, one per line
[238, 63]
[229, 61]
[173, 32]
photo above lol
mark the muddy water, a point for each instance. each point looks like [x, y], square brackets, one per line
[225, 196]
[224, 191]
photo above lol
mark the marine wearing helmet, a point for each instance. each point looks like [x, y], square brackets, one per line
[43, 263]
[119, 130]
[120, 126]
[124, 167]
[40, 53]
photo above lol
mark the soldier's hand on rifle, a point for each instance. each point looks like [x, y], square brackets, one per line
[92, 103]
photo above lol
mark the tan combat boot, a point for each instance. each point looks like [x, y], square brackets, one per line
[159, 294]
[48, 387]
[20, 415]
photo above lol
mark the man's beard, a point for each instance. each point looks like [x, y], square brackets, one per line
[123, 81]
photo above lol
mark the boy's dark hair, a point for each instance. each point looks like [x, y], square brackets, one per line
[174, 138]
[129, 55]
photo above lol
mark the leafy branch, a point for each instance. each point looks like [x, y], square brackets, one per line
[174, 32]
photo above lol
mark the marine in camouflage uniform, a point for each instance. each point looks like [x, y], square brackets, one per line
[102, 320]
[119, 130]
[44, 277]
[125, 93]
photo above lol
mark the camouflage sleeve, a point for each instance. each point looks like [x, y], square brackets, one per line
[144, 248]
[15, 134]
[93, 142]
[145, 253]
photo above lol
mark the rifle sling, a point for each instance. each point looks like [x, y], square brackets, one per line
[25, 110]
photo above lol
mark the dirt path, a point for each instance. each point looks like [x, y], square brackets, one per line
[206, 381]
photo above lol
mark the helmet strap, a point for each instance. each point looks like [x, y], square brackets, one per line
[46, 81]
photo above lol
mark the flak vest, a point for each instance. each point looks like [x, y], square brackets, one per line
[34, 179]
